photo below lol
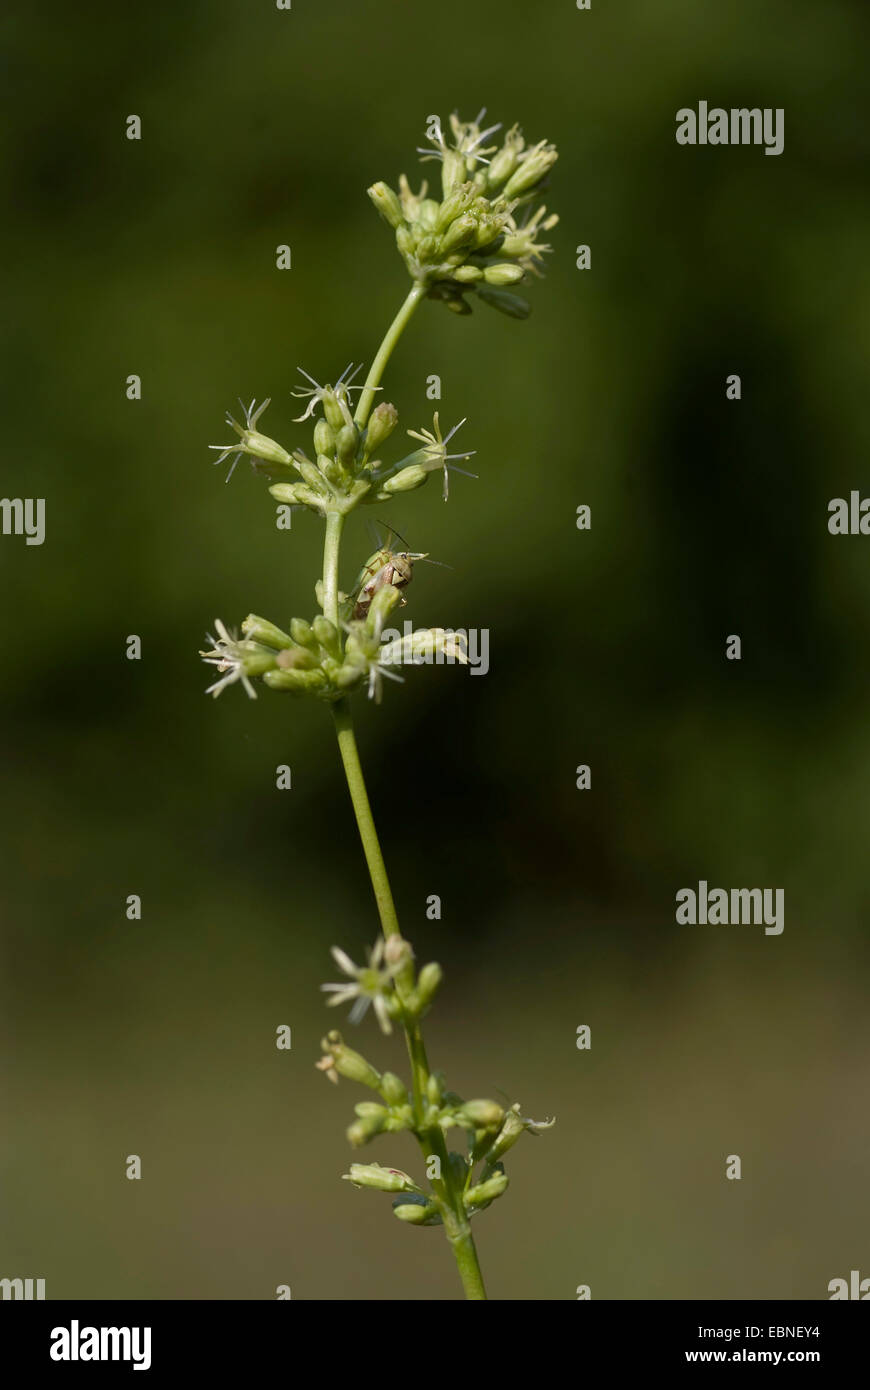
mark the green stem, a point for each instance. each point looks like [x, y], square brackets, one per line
[391, 337]
[331, 544]
[432, 1141]
[364, 819]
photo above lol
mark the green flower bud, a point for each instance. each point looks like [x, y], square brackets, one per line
[405, 240]
[387, 203]
[503, 164]
[435, 1088]
[324, 437]
[462, 232]
[393, 1089]
[346, 1062]
[261, 630]
[302, 682]
[382, 1179]
[428, 982]
[487, 230]
[286, 492]
[382, 422]
[452, 171]
[301, 632]
[507, 1136]
[406, 480]
[382, 604]
[483, 1114]
[417, 1211]
[332, 470]
[454, 206]
[332, 408]
[511, 304]
[346, 443]
[261, 446]
[503, 274]
[466, 274]
[531, 170]
[310, 474]
[485, 1192]
[297, 494]
[327, 635]
[365, 1129]
[295, 659]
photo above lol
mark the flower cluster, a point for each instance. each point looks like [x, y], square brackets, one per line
[318, 659]
[482, 237]
[389, 984]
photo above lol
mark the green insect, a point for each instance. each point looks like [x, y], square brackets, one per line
[385, 566]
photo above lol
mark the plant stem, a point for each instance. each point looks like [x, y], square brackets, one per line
[391, 337]
[432, 1141]
[331, 544]
[364, 819]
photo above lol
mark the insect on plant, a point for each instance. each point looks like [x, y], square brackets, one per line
[385, 566]
[478, 241]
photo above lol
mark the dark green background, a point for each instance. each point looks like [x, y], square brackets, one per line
[263, 127]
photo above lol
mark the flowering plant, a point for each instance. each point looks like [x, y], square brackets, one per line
[479, 240]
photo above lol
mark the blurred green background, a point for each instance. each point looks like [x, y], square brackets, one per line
[263, 127]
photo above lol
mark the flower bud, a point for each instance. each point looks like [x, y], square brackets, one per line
[295, 659]
[300, 631]
[286, 492]
[503, 164]
[261, 630]
[483, 1114]
[466, 274]
[435, 1088]
[382, 422]
[454, 206]
[346, 443]
[417, 1212]
[511, 304]
[503, 274]
[310, 474]
[387, 203]
[300, 682]
[393, 1089]
[452, 171]
[324, 436]
[262, 447]
[364, 1129]
[381, 606]
[507, 1136]
[348, 1063]
[531, 170]
[327, 635]
[428, 982]
[332, 408]
[460, 233]
[383, 1179]
[406, 479]
[486, 1192]
[405, 240]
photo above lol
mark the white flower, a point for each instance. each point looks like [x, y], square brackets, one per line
[252, 414]
[370, 984]
[317, 392]
[467, 136]
[435, 449]
[227, 655]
